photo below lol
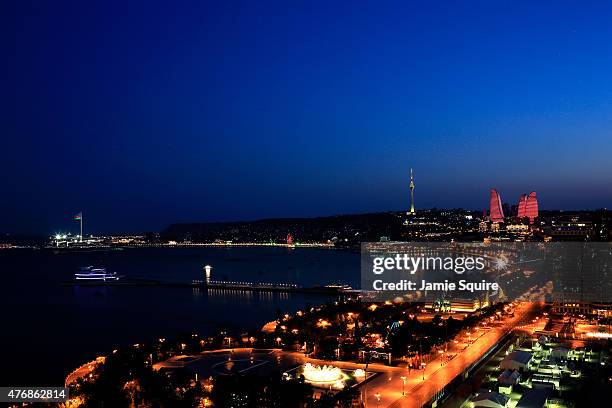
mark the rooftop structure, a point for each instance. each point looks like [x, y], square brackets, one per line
[517, 360]
[534, 398]
[509, 377]
[489, 399]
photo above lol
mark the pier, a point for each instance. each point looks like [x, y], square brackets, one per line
[331, 290]
[275, 287]
[208, 283]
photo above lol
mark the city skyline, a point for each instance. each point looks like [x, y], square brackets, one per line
[495, 202]
[306, 204]
[291, 112]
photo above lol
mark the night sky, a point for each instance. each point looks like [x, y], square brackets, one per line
[145, 114]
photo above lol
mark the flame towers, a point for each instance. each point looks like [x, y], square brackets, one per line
[522, 206]
[528, 206]
[495, 207]
[531, 207]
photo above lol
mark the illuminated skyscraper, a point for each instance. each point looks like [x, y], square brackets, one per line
[522, 206]
[531, 208]
[495, 207]
[411, 212]
[528, 207]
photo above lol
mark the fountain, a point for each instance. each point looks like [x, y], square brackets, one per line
[324, 375]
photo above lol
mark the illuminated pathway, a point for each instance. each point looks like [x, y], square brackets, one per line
[385, 390]
[419, 392]
[83, 371]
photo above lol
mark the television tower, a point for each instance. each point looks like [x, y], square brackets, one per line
[411, 212]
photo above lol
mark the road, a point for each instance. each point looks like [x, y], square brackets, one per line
[419, 391]
[385, 389]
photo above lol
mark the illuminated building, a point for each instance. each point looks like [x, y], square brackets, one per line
[289, 239]
[483, 226]
[522, 206]
[517, 229]
[459, 305]
[489, 399]
[528, 207]
[531, 207]
[517, 360]
[573, 229]
[495, 207]
[411, 212]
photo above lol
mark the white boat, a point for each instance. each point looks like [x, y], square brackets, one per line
[89, 273]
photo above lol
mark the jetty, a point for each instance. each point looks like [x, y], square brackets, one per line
[332, 290]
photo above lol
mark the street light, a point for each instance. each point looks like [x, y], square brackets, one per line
[423, 368]
[377, 395]
[403, 384]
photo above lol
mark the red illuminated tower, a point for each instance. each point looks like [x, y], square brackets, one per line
[522, 206]
[531, 210]
[289, 239]
[495, 207]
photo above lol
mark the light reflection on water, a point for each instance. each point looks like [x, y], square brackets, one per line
[64, 325]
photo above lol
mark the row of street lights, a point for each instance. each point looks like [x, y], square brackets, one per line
[404, 378]
[422, 366]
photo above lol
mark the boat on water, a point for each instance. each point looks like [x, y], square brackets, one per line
[90, 273]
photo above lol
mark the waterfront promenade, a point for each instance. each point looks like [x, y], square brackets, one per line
[385, 389]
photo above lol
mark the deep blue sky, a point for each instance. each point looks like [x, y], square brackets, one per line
[144, 114]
